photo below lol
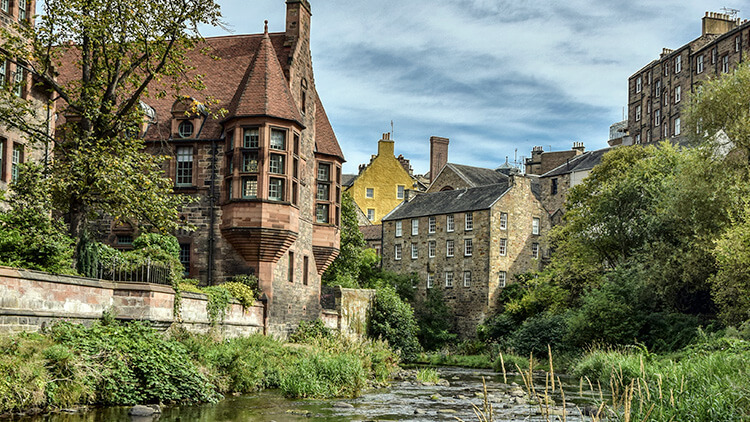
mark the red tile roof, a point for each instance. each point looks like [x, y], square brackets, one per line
[325, 139]
[373, 232]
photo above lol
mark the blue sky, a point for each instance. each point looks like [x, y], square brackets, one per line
[494, 76]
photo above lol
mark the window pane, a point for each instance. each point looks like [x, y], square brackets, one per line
[278, 139]
[276, 165]
[250, 161]
[251, 138]
[321, 213]
[250, 187]
[184, 166]
[323, 191]
[400, 192]
[276, 189]
[324, 172]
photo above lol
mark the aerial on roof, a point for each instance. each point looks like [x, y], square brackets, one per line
[452, 201]
[585, 161]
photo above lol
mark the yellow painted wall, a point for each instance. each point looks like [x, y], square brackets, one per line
[383, 175]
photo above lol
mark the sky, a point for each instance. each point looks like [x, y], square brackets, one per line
[496, 77]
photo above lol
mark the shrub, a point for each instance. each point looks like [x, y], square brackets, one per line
[510, 361]
[435, 321]
[218, 303]
[392, 319]
[497, 328]
[314, 330]
[324, 376]
[538, 332]
[244, 294]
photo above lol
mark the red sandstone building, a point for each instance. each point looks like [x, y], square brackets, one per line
[266, 175]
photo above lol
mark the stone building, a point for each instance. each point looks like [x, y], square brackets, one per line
[14, 147]
[383, 182]
[468, 242]
[266, 175]
[658, 91]
[543, 161]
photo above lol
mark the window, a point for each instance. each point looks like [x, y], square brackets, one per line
[250, 187]
[535, 250]
[16, 160]
[324, 172]
[184, 166]
[657, 117]
[2, 156]
[3, 71]
[678, 64]
[400, 192]
[450, 223]
[448, 248]
[22, 9]
[398, 228]
[5, 6]
[278, 139]
[290, 274]
[725, 64]
[18, 81]
[370, 193]
[432, 225]
[648, 136]
[414, 251]
[125, 239]
[648, 106]
[305, 269]
[657, 89]
[430, 280]
[469, 222]
[322, 212]
[699, 64]
[414, 227]
[553, 191]
[323, 192]
[665, 129]
[737, 43]
[276, 189]
[276, 164]
[185, 257]
[397, 252]
[666, 69]
[638, 85]
[677, 128]
[637, 113]
[250, 138]
[449, 279]
[467, 278]
[185, 129]
[501, 278]
[677, 94]
[714, 53]
[468, 247]
[503, 247]
[250, 161]
[535, 226]
[431, 248]
[637, 138]
[371, 217]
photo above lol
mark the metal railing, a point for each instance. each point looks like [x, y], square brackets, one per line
[148, 272]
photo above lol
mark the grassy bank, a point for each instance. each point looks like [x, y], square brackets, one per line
[124, 364]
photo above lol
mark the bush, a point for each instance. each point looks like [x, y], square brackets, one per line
[244, 294]
[324, 376]
[497, 328]
[538, 332]
[511, 361]
[392, 319]
[435, 321]
[307, 331]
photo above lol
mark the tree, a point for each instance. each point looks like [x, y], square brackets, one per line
[345, 270]
[117, 49]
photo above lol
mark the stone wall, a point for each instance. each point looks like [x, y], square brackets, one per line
[31, 300]
[347, 309]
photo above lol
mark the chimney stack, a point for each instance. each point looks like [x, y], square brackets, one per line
[719, 23]
[438, 155]
[578, 148]
[386, 146]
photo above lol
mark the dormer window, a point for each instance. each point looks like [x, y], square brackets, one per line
[185, 129]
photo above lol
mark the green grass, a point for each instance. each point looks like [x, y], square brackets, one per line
[429, 375]
[467, 361]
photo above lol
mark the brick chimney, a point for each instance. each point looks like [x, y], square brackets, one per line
[578, 148]
[385, 146]
[719, 23]
[297, 22]
[438, 155]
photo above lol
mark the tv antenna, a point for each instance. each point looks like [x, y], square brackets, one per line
[731, 12]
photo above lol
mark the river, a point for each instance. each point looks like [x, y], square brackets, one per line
[403, 401]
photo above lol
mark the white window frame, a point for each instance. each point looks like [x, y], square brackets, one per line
[414, 226]
[725, 63]
[637, 113]
[369, 193]
[678, 64]
[677, 128]
[535, 225]
[414, 251]
[184, 169]
[400, 191]
[504, 220]
[431, 248]
[397, 252]
[467, 278]
[714, 55]
[371, 214]
[23, 6]
[737, 43]
[469, 221]
[449, 279]
[503, 247]
[430, 280]
[468, 247]
[399, 228]
[657, 117]
[638, 85]
[699, 64]
[5, 6]
[535, 250]
[450, 223]
[432, 224]
[502, 279]
[677, 94]
[657, 89]
[665, 130]
[449, 248]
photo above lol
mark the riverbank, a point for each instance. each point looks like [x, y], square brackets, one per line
[114, 364]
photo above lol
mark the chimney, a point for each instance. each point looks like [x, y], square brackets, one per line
[438, 155]
[385, 146]
[719, 23]
[298, 14]
[578, 148]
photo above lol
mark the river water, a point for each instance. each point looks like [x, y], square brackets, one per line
[403, 401]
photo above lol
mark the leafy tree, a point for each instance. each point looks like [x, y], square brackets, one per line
[29, 236]
[345, 270]
[114, 50]
[392, 319]
[435, 321]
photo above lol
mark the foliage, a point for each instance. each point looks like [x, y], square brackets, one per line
[428, 375]
[731, 283]
[323, 375]
[392, 319]
[536, 333]
[307, 331]
[404, 284]
[120, 48]
[497, 328]
[29, 236]
[244, 294]
[435, 321]
[218, 303]
[346, 268]
[450, 359]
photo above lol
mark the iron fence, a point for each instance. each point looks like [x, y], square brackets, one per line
[148, 272]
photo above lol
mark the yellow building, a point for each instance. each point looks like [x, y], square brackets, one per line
[382, 184]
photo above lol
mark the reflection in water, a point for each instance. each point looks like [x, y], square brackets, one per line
[404, 401]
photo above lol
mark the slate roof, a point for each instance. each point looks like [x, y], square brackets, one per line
[372, 232]
[452, 201]
[477, 176]
[348, 179]
[585, 161]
